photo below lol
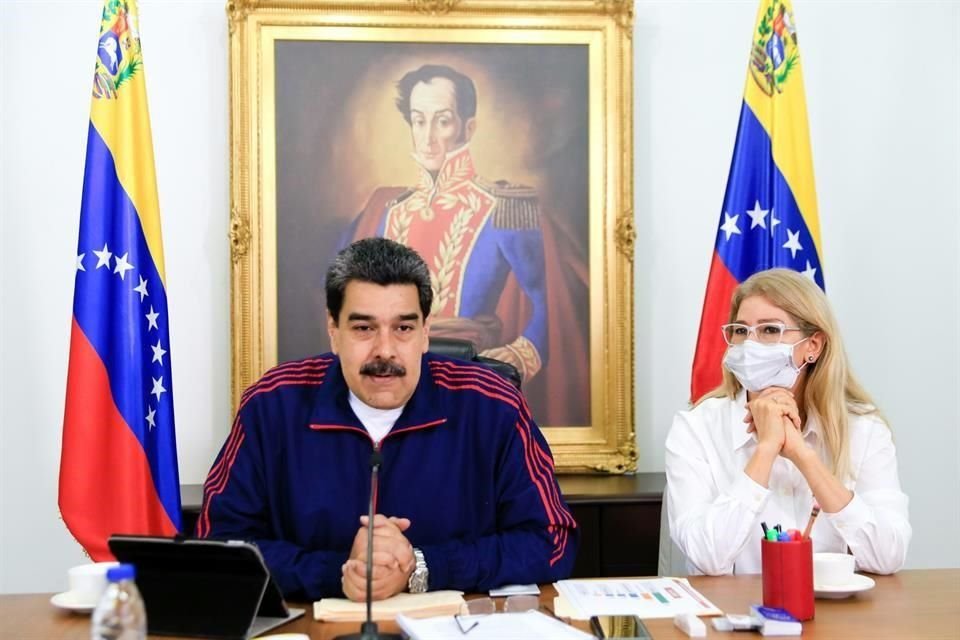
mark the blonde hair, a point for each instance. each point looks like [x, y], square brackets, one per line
[831, 390]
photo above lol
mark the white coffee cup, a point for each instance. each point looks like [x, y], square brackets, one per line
[88, 581]
[832, 569]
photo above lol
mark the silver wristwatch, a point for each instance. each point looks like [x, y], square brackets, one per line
[418, 579]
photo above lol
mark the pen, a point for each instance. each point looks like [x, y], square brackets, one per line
[763, 525]
[813, 516]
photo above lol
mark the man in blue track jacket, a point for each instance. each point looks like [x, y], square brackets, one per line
[467, 497]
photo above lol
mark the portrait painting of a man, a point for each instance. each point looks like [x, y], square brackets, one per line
[475, 156]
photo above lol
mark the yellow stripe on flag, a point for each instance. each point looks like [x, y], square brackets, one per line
[783, 115]
[124, 124]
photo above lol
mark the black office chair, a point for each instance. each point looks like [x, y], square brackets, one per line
[465, 350]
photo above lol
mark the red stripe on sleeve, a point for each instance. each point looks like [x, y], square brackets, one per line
[215, 473]
[551, 516]
[203, 530]
[458, 385]
[316, 366]
[479, 374]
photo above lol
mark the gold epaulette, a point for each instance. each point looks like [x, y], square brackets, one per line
[517, 205]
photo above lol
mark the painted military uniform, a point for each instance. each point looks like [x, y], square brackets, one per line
[473, 234]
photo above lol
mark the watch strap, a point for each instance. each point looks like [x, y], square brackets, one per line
[417, 583]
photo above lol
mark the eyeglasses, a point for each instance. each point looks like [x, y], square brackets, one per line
[486, 606]
[765, 332]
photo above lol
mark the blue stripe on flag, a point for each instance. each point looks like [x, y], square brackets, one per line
[754, 177]
[110, 313]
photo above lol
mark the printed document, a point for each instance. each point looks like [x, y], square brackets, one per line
[644, 597]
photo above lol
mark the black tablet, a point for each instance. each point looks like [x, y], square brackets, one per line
[203, 588]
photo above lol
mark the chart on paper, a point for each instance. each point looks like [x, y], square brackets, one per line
[647, 598]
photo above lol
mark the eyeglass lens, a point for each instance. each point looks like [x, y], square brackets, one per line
[481, 606]
[766, 332]
[520, 603]
[513, 604]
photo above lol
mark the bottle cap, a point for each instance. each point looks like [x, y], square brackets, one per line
[121, 572]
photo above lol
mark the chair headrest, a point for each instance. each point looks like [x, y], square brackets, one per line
[465, 350]
[453, 348]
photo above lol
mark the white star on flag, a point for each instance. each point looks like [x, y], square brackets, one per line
[774, 221]
[150, 418]
[158, 389]
[103, 257]
[793, 243]
[810, 272]
[122, 265]
[729, 225]
[758, 216]
[152, 319]
[141, 288]
[80, 266]
[158, 352]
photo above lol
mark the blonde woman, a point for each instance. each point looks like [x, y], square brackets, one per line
[788, 426]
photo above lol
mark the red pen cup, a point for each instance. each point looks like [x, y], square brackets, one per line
[788, 576]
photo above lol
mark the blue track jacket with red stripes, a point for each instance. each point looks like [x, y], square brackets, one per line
[465, 462]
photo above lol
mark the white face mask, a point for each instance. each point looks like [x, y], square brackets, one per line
[759, 366]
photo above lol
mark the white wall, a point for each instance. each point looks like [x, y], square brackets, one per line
[45, 113]
[883, 93]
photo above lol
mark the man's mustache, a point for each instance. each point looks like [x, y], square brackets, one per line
[382, 368]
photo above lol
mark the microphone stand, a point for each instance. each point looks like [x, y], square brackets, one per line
[368, 630]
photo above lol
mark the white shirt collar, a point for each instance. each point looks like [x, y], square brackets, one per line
[377, 422]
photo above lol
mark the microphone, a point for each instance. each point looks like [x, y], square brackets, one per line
[368, 630]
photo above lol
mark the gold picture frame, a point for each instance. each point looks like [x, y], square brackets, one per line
[306, 80]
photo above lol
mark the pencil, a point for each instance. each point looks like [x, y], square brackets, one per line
[813, 516]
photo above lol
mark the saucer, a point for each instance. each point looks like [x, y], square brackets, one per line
[69, 602]
[857, 583]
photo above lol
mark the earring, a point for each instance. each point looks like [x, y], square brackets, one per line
[811, 358]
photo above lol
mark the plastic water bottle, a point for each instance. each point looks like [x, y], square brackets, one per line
[120, 614]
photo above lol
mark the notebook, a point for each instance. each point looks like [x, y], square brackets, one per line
[203, 588]
[414, 605]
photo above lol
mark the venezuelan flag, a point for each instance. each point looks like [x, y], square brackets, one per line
[118, 466]
[769, 217]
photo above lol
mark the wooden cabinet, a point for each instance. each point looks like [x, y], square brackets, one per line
[619, 518]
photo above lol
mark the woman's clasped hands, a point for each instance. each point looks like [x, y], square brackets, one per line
[775, 417]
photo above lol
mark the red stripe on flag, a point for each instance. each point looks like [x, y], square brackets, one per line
[707, 374]
[105, 481]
